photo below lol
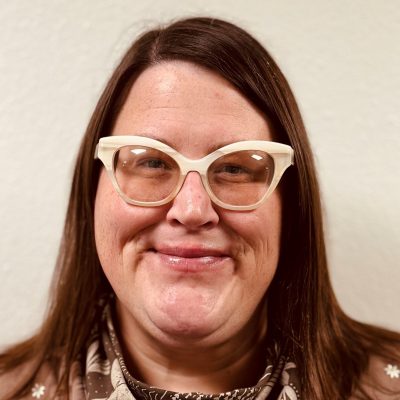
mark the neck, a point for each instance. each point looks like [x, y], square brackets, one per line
[196, 367]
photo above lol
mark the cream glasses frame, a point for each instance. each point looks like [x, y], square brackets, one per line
[282, 154]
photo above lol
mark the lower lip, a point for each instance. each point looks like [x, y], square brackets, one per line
[191, 264]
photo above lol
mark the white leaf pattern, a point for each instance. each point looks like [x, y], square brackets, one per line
[94, 363]
[121, 393]
[117, 377]
[288, 394]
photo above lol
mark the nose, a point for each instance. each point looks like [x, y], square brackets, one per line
[192, 207]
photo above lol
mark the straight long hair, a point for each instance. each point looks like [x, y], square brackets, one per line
[303, 315]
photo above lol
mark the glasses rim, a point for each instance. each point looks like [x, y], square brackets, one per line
[282, 155]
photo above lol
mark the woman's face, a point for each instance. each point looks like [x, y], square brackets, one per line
[189, 269]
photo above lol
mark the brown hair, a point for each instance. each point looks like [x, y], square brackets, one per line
[305, 319]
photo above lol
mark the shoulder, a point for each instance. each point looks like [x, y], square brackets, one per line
[381, 380]
[45, 383]
[43, 386]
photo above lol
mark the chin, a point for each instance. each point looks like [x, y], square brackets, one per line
[186, 324]
[186, 309]
[185, 331]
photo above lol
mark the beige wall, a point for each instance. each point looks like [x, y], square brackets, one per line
[342, 58]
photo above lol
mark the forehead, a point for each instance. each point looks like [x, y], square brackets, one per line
[189, 107]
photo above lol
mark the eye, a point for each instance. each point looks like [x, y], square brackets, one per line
[232, 169]
[154, 164]
[231, 173]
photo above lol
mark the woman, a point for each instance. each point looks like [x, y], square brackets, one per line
[185, 270]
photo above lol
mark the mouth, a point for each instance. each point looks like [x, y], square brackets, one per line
[190, 259]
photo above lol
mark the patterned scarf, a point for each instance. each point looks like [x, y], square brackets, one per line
[107, 377]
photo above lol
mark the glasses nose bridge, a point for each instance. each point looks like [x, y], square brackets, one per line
[200, 166]
[187, 165]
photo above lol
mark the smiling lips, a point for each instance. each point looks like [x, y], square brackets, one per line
[190, 259]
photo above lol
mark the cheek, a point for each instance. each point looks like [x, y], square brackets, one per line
[109, 223]
[259, 234]
[262, 228]
[117, 224]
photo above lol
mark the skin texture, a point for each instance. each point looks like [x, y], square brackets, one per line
[166, 315]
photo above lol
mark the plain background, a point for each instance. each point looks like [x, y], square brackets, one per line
[342, 59]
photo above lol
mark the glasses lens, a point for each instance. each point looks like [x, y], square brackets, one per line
[241, 178]
[145, 174]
